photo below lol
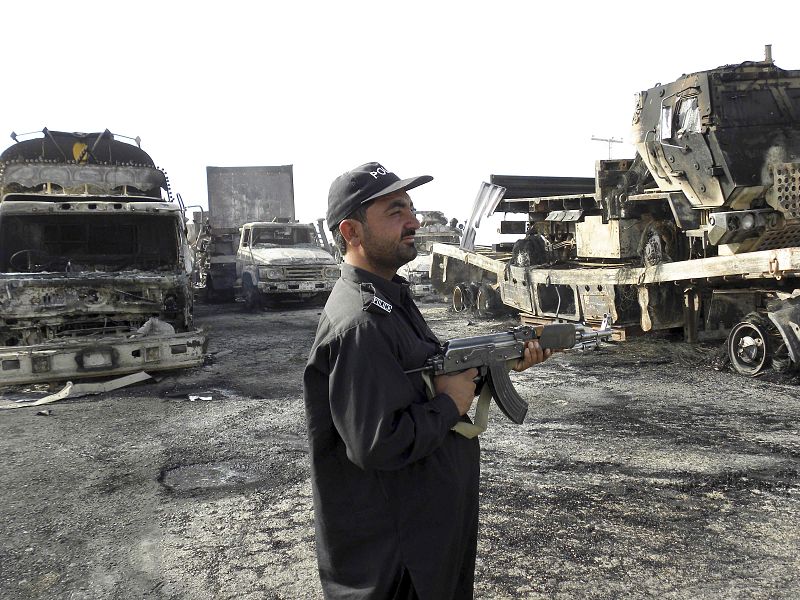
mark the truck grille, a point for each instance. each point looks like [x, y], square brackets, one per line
[304, 272]
[90, 327]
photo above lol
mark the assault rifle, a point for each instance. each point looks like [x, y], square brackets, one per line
[494, 355]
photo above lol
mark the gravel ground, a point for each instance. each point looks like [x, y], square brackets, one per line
[641, 471]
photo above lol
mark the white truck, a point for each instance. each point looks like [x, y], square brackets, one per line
[279, 262]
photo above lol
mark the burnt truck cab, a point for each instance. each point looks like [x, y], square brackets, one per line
[283, 261]
[94, 262]
[724, 146]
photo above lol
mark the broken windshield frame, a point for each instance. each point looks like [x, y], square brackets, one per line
[273, 237]
[88, 242]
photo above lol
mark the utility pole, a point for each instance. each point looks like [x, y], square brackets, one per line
[610, 141]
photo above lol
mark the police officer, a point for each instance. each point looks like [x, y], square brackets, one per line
[395, 490]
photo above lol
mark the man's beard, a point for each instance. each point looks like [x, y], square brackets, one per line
[388, 254]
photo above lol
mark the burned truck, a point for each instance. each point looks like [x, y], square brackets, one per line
[236, 195]
[434, 229]
[94, 261]
[700, 230]
[283, 261]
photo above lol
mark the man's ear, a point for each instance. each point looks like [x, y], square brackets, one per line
[351, 232]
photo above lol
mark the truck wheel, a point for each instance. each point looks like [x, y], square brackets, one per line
[214, 295]
[211, 293]
[752, 344]
[462, 297]
[320, 299]
[487, 300]
[252, 297]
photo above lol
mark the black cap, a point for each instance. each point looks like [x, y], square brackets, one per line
[363, 184]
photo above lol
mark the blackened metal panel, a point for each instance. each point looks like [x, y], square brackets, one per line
[85, 148]
[486, 202]
[74, 177]
[239, 195]
[533, 186]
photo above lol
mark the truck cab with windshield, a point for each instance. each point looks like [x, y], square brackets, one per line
[283, 261]
[94, 261]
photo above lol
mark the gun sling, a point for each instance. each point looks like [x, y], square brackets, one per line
[514, 407]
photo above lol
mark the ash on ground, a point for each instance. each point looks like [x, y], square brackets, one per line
[644, 469]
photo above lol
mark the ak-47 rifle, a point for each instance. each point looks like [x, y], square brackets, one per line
[494, 355]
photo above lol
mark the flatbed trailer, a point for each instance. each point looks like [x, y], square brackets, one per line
[705, 297]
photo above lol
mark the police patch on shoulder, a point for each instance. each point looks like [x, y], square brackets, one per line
[378, 305]
[372, 302]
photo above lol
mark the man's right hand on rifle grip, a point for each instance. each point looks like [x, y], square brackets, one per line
[459, 386]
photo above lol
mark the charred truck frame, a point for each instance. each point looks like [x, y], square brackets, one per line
[94, 273]
[701, 230]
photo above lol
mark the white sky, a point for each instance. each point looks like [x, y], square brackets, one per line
[457, 90]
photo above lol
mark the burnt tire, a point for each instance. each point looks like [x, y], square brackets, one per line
[487, 300]
[531, 250]
[214, 295]
[252, 297]
[463, 297]
[754, 344]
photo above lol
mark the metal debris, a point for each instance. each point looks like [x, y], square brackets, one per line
[76, 390]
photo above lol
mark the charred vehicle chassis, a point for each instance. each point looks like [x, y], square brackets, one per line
[700, 230]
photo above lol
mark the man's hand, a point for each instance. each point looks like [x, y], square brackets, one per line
[533, 356]
[459, 386]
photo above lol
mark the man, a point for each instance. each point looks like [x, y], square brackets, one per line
[395, 490]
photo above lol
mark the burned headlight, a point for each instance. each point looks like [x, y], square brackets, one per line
[331, 272]
[270, 273]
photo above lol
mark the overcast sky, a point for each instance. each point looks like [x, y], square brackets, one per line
[457, 90]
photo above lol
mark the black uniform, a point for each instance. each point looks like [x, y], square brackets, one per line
[395, 491]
